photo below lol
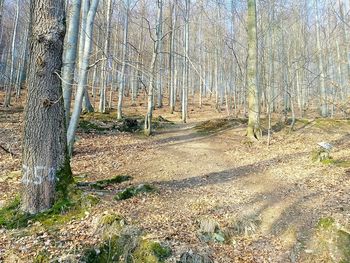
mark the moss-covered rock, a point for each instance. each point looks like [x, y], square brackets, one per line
[127, 246]
[331, 241]
[134, 191]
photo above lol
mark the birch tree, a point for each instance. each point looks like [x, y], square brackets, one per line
[150, 105]
[105, 66]
[124, 57]
[13, 50]
[70, 55]
[83, 74]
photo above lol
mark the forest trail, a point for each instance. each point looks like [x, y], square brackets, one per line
[218, 175]
[214, 175]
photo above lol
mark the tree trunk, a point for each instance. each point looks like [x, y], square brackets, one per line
[125, 52]
[323, 99]
[13, 47]
[253, 131]
[73, 124]
[105, 66]
[186, 64]
[70, 55]
[148, 117]
[45, 161]
[82, 40]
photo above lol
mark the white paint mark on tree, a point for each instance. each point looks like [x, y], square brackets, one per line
[38, 174]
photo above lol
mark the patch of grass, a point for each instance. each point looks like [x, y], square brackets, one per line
[64, 210]
[134, 191]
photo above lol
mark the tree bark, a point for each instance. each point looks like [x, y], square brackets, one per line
[45, 161]
[70, 55]
[253, 130]
[125, 53]
[13, 49]
[73, 124]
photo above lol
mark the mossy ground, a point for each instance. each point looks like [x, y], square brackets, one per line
[332, 240]
[134, 191]
[64, 210]
[127, 248]
[101, 184]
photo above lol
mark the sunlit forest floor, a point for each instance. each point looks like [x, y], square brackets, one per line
[269, 203]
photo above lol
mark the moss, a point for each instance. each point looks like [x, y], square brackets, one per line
[42, 257]
[109, 219]
[151, 252]
[125, 194]
[332, 240]
[161, 252]
[89, 126]
[325, 223]
[127, 246]
[64, 180]
[101, 184]
[134, 191]
[64, 210]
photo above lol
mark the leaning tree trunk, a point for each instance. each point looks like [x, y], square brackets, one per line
[45, 163]
[83, 74]
[253, 130]
[70, 55]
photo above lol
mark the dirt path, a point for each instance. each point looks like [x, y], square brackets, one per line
[219, 176]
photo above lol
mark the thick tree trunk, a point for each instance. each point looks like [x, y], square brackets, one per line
[70, 55]
[45, 160]
[253, 131]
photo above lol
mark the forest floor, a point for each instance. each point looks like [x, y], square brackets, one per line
[212, 173]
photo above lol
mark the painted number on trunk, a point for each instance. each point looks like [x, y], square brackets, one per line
[38, 174]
